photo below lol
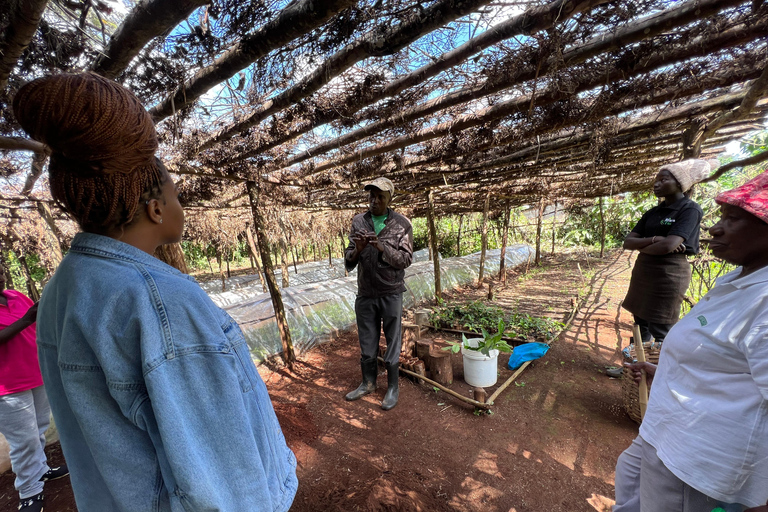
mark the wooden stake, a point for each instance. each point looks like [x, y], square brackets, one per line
[640, 354]
[539, 222]
[484, 237]
[509, 381]
[288, 355]
[505, 233]
[433, 244]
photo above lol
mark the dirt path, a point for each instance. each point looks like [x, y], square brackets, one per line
[551, 444]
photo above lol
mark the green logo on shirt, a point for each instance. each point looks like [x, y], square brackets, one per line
[667, 222]
[702, 320]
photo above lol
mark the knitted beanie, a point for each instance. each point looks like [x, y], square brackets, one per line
[689, 172]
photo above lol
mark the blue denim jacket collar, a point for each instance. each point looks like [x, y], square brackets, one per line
[104, 246]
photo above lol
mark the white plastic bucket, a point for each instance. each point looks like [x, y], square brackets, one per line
[480, 370]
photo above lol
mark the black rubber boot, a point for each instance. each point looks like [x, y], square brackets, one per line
[393, 390]
[370, 368]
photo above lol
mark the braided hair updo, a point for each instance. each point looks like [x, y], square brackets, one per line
[103, 144]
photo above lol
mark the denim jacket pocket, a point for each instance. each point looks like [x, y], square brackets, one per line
[239, 348]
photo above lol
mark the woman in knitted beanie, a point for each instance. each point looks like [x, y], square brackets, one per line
[703, 443]
[157, 401]
[665, 235]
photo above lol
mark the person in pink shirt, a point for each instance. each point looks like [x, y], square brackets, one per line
[24, 410]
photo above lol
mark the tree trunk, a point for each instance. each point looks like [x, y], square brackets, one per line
[55, 235]
[229, 273]
[484, 237]
[539, 222]
[503, 262]
[288, 355]
[31, 287]
[330, 255]
[433, 244]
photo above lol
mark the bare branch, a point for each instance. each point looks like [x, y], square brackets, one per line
[25, 17]
[294, 21]
[149, 19]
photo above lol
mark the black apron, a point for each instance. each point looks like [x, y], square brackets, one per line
[657, 287]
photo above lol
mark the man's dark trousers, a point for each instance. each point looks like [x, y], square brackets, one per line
[371, 313]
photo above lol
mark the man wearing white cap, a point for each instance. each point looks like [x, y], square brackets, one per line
[381, 247]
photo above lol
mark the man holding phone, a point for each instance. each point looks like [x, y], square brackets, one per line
[381, 247]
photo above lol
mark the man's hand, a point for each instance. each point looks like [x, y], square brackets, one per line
[679, 249]
[361, 240]
[374, 241]
[637, 368]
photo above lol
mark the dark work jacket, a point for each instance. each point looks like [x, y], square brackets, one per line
[382, 273]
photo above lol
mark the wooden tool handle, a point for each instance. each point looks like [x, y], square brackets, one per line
[640, 354]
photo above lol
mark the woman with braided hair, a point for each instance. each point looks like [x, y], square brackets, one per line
[158, 404]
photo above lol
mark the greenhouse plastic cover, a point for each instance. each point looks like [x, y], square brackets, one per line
[321, 300]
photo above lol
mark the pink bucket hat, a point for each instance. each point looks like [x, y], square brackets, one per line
[751, 196]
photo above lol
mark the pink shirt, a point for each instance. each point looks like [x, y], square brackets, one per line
[19, 368]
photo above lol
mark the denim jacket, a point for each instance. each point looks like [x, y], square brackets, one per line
[381, 273]
[157, 401]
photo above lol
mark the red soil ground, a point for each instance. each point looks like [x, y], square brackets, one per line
[550, 445]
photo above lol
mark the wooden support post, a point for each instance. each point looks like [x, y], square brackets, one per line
[484, 237]
[503, 262]
[284, 262]
[254, 254]
[433, 244]
[330, 255]
[226, 259]
[458, 236]
[288, 355]
[554, 228]
[539, 221]
[479, 394]
[602, 228]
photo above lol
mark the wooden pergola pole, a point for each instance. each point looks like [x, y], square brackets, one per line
[484, 237]
[539, 222]
[254, 255]
[554, 228]
[505, 233]
[433, 244]
[602, 227]
[288, 355]
[458, 236]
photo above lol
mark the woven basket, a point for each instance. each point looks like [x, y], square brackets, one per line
[629, 388]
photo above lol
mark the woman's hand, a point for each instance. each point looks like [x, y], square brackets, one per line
[31, 314]
[637, 371]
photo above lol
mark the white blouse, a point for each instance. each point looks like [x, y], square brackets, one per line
[707, 415]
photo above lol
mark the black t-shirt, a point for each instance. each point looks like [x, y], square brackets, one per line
[681, 218]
